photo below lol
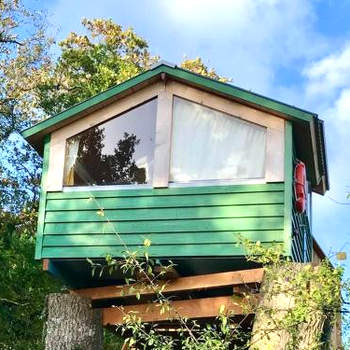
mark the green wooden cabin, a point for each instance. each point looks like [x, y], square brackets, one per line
[185, 161]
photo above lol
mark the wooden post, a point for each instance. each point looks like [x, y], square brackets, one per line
[72, 324]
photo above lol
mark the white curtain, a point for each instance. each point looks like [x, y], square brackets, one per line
[210, 145]
[72, 148]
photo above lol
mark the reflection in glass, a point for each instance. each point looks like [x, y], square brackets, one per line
[117, 152]
[210, 145]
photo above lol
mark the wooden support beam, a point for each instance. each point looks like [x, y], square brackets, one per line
[193, 308]
[46, 265]
[214, 280]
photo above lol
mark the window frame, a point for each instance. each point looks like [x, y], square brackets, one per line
[213, 182]
[164, 92]
[120, 115]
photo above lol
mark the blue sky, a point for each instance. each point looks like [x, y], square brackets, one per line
[295, 51]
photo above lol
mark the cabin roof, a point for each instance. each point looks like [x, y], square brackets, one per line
[308, 128]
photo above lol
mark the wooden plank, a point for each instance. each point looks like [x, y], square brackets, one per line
[42, 202]
[166, 213]
[186, 225]
[155, 251]
[46, 263]
[170, 201]
[181, 284]
[195, 308]
[162, 149]
[288, 186]
[91, 239]
[167, 191]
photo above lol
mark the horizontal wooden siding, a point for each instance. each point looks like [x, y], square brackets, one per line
[180, 222]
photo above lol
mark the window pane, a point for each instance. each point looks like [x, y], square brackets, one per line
[210, 145]
[117, 152]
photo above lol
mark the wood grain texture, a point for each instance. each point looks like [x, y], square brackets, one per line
[288, 186]
[163, 138]
[195, 308]
[165, 251]
[180, 284]
[42, 202]
[197, 221]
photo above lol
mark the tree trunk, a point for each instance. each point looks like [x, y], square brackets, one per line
[277, 298]
[72, 324]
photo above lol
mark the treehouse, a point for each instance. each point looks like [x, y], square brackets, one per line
[184, 162]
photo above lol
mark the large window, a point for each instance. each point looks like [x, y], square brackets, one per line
[211, 145]
[117, 152]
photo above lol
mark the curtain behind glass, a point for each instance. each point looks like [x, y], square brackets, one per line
[72, 148]
[210, 145]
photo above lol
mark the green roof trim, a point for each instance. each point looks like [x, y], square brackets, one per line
[239, 93]
[181, 74]
[95, 100]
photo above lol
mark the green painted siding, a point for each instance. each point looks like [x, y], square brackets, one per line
[42, 203]
[288, 186]
[180, 222]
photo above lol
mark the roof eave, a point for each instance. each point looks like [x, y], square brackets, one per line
[221, 88]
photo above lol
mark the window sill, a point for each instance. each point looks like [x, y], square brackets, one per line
[171, 185]
[105, 188]
[196, 183]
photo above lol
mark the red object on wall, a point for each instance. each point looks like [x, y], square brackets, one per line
[300, 187]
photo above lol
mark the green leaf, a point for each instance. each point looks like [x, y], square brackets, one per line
[147, 243]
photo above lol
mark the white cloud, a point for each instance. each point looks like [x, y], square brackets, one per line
[251, 39]
[330, 73]
[328, 90]
[341, 110]
[247, 40]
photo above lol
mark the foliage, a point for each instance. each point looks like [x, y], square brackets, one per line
[23, 285]
[103, 57]
[106, 55]
[197, 66]
[314, 293]
[23, 50]
[23, 55]
[20, 171]
[33, 85]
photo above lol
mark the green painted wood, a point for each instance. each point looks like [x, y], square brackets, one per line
[237, 224]
[42, 202]
[187, 76]
[201, 218]
[171, 191]
[228, 237]
[288, 186]
[167, 213]
[241, 94]
[183, 201]
[174, 251]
